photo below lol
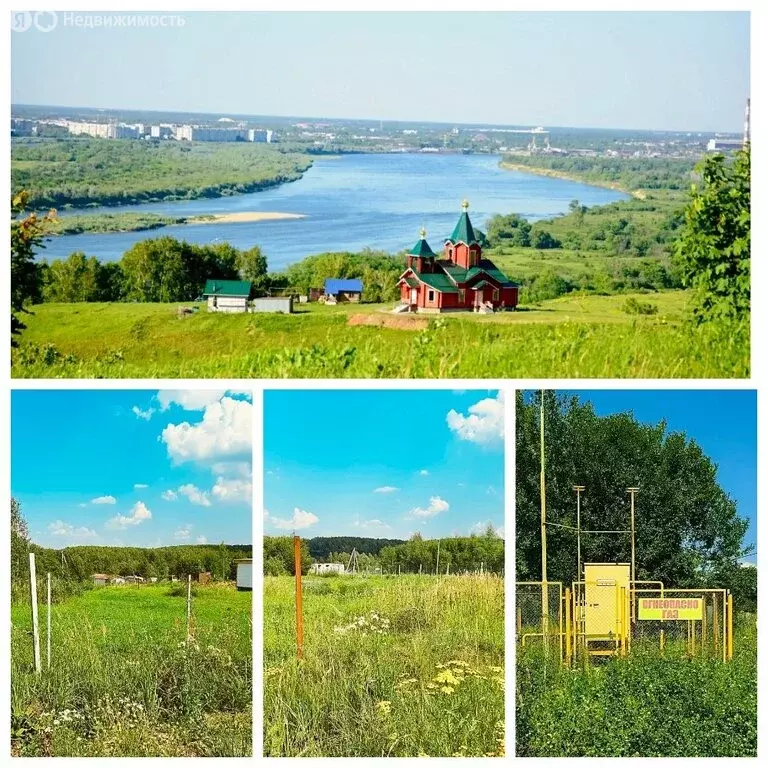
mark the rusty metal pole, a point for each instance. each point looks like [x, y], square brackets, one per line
[299, 611]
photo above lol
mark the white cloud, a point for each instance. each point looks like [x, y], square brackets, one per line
[385, 489]
[372, 526]
[139, 513]
[436, 506]
[189, 399]
[182, 534]
[195, 495]
[298, 520]
[225, 430]
[146, 415]
[232, 490]
[483, 424]
[139, 486]
[60, 528]
[104, 500]
[423, 472]
[478, 529]
[169, 495]
[201, 540]
[232, 468]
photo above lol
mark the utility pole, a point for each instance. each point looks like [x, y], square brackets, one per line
[544, 588]
[632, 576]
[578, 489]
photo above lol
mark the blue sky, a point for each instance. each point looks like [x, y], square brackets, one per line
[722, 422]
[134, 468]
[383, 464]
[673, 71]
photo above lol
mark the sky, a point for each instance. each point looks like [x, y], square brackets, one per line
[722, 422]
[132, 468]
[437, 466]
[686, 71]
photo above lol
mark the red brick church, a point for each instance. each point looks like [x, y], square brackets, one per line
[462, 280]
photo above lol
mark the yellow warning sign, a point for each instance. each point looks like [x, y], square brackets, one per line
[670, 609]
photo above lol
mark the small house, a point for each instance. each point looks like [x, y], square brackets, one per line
[323, 568]
[227, 295]
[100, 579]
[244, 574]
[134, 579]
[203, 577]
[337, 291]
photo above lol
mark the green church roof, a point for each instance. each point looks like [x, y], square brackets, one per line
[464, 232]
[227, 288]
[422, 247]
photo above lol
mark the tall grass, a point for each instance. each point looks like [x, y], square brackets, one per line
[393, 666]
[124, 680]
[643, 705]
[561, 339]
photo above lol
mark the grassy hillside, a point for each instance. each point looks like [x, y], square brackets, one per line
[574, 336]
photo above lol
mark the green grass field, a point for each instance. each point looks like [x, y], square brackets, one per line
[643, 705]
[393, 666]
[124, 681]
[571, 337]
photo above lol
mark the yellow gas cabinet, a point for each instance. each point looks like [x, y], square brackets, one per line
[606, 608]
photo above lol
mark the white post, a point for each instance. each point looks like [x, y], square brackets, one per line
[437, 564]
[447, 568]
[48, 617]
[33, 596]
[189, 605]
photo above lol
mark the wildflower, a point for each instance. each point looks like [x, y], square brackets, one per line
[384, 708]
[446, 689]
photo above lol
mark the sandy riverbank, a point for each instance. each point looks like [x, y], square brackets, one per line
[638, 193]
[241, 216]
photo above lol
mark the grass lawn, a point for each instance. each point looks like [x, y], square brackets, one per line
[574, 336]
[124, 681]
[393, 666]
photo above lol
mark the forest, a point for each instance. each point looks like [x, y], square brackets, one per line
[459, 553]
[79, 172]
[687, 527]
[78, 563]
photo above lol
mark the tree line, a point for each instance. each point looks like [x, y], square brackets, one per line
[79, 172]
[79, 563]
[688, 531]
[417, 555]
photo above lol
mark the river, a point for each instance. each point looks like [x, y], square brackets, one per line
[353, 202]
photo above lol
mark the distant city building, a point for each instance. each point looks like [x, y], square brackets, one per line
[725, 145]
[199, 133]
[161, 131]
[260, 135]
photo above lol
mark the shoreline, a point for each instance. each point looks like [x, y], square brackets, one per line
[638, 194]
[241, 216]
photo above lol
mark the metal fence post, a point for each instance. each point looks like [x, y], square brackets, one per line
[35, 624]
[48, 618]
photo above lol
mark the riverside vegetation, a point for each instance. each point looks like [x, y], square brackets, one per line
[636, 257]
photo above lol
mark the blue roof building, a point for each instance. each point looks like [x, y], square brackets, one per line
[336, 286]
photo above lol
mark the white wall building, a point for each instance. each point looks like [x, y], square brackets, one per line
[244, 574]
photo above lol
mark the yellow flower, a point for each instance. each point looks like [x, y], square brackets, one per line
[446, 689]
[384, 708]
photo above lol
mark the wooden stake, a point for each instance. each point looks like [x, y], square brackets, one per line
[437, 564]
[189, 606]
[48, 617]
[35, 625]
[299, 608]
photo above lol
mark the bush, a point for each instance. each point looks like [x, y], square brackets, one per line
[634, 307]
